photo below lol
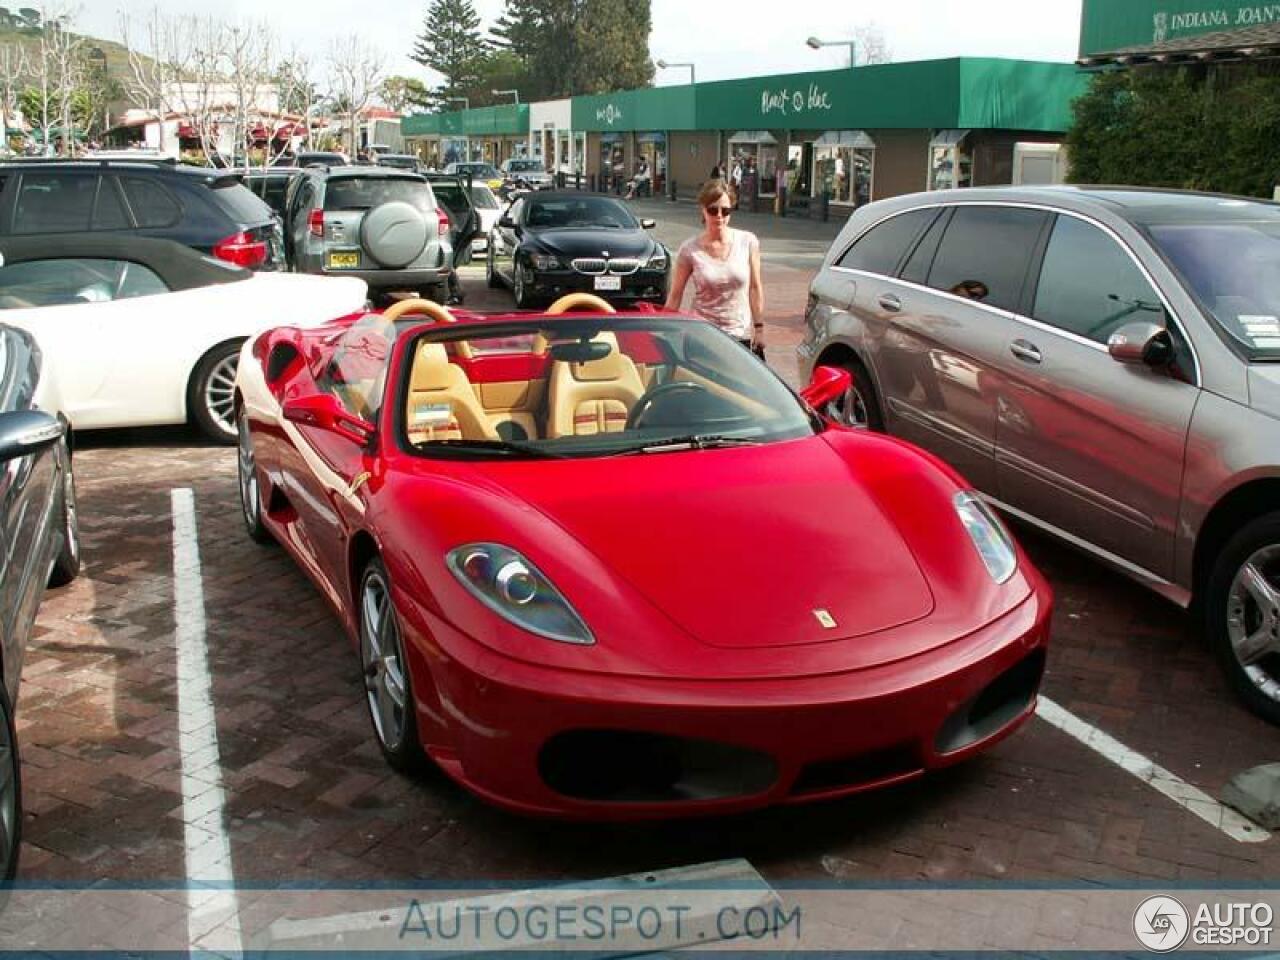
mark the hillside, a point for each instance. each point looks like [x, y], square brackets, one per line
[116, 54]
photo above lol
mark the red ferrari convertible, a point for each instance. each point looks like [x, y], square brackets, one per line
[608, 565]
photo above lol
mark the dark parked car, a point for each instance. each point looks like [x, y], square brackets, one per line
[454, 194]
[320, 158]
[204, 208]
[401, 161]
[272, 185]
[551, 243]
[1103, 363]
[40, 536]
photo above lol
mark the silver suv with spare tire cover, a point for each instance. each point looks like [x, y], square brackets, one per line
[377, 223]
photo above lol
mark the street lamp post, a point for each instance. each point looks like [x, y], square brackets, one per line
[819, 44]
[663, 65]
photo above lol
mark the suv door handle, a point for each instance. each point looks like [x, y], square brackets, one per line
[1025, 351]
[890, 302]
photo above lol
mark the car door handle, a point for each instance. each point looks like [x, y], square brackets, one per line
[890, 302]
[1027, 352]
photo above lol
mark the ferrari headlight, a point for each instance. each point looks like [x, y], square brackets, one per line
[989, 535]
[659, 260]
[544, 261]
[516, 590]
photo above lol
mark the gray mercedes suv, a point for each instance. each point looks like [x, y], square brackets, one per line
[1102, 363]
[377, 223]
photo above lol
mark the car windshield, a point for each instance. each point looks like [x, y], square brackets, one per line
[485, 170]
[525, 166]
[364, 193]
[575, 211]
[590, 387]
[1234, 270]
[483, 197]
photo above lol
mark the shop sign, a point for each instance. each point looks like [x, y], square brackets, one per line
[608, 114]
[787, 101]
[1166, 24]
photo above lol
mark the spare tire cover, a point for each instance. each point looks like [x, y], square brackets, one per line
[394, 234]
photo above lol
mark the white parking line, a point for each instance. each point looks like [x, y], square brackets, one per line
[1157, 777]
[207, 848]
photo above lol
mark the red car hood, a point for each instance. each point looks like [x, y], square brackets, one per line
[743, 547]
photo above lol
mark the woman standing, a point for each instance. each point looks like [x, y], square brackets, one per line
[725, 266]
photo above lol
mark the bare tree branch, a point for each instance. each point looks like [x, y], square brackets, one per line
[355, 69]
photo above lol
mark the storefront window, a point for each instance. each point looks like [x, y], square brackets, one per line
[950, 162]
[653, 148]
[844, 173]
[562, 154]
[579, 152]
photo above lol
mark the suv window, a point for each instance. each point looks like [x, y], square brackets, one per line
[881, 248]
[239, 202]
[152, 204]
[1090, 286]
[365, 193]
[985, 253]
[54, 202]
[108, 211]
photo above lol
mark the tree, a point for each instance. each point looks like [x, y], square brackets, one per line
[13, 67]
[355, 70]
[571, 47]
[451, 44]
[57, 73]
[607, 55]
[297, 89]
[402, 93]
[871, 45]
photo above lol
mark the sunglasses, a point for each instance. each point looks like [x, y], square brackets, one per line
[719, 211]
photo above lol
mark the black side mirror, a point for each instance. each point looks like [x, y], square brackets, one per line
[1141, 343]
[27, 431]
[506, 222]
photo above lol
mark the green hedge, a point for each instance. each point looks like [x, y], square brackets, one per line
[1200, 128]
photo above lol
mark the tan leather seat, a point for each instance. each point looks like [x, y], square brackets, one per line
[442, 402]
[592, 397]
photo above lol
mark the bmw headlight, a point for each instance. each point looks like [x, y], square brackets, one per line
[659, 260]
[989, 535]
[513, 588]
[544, 261]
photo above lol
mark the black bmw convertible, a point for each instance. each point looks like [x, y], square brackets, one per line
[551, 243]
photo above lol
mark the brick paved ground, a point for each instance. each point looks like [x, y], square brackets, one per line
[309, 797]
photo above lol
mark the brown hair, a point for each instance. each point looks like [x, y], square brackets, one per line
[712, 191]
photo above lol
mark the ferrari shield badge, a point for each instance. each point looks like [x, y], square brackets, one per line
[825, 618]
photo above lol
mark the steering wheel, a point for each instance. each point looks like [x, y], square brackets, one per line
[416, 305]
[579, 301]
[646, 402]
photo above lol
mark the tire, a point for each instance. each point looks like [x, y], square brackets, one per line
[249, 483]
[1240, 614]
[211, 397]
[491, 277]
[859, 407]
[66, 566]
[388, 685]
[524, 300]
[10, 796]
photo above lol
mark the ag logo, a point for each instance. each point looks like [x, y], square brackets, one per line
[1161, 924]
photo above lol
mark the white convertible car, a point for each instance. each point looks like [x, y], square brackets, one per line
[139, 332]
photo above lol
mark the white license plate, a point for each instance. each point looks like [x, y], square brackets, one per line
[608, 283]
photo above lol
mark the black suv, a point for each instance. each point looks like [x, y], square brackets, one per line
[207, 209]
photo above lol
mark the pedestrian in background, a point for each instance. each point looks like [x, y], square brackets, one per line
[735, 180]
[724, 265]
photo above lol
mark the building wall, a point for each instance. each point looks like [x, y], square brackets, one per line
[993, 154]
[691, 156]
[902, 162]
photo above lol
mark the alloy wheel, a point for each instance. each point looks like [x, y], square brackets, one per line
[1253, 619]
[219, 393]
[250, 497]
[71, 515]
[850, 409]
[382, 655]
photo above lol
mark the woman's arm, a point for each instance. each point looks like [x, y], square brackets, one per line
[676, 294]
[756, 295]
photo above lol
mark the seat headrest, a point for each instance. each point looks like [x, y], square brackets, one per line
[430, 368]
[612, 366]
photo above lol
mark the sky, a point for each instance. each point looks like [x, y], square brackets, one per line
[724, 39]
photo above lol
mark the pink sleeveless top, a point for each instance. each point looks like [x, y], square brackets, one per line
[720, 287]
